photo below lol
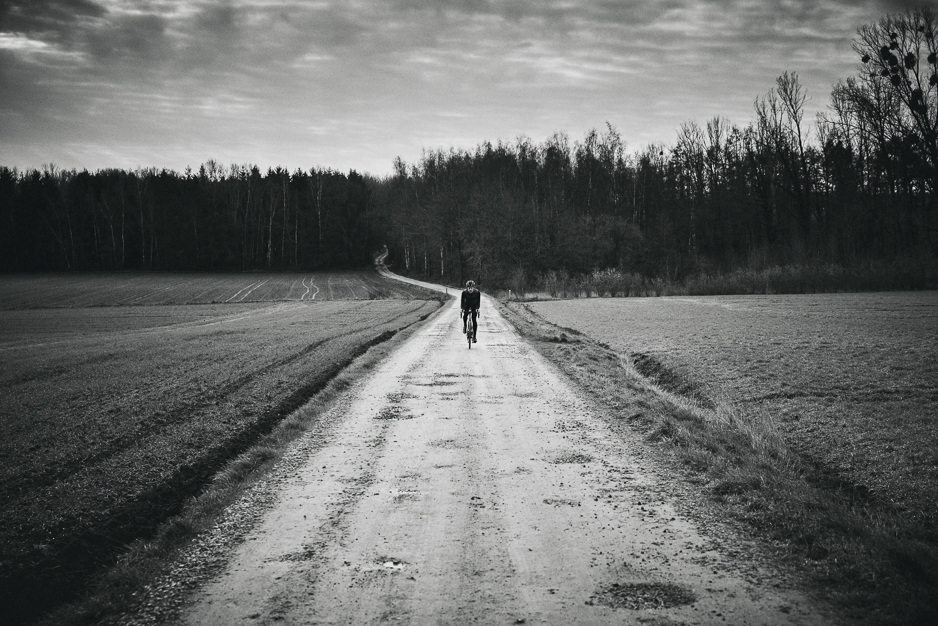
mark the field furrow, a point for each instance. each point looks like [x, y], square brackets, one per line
[91, 290]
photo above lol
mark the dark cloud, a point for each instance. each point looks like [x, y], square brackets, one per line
[339, 26]
[84, 28]
[19, 95]
[139, 40]
[900, 6]
[60, 23]
[31, 16]
[210, 40]
[461, 6]
[554, 12]
[218, 20]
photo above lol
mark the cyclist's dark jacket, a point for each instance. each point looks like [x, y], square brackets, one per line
[471, 300]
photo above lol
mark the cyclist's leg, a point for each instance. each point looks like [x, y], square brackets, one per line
[475, 323]
[462, 314]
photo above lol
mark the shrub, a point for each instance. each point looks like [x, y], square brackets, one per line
[821, 277]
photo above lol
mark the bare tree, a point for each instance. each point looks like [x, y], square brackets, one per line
[900, 57]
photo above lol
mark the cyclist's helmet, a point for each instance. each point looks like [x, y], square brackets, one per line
[470, 284]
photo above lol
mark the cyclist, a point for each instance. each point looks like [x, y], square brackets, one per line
[469, 303]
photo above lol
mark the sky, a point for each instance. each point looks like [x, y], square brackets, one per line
[353, 84]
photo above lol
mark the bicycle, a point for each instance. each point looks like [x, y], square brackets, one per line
[469, 319]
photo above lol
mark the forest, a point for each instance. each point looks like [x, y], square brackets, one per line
[854, 188]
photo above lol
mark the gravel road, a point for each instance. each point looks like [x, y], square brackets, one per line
[478, 486]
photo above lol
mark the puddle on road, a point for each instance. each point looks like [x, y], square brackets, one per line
[367, 575]
[400, 396]
[570, 457]
[437, 380]
[447, 380]
[392, 565]
[394, 412]
[406, 496]
[438, 383]
[361, 482]
[305, 554]
[565, 426]
[448, 444]
[561, 502]
[637, 596]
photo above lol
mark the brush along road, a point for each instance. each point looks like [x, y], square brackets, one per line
[478, 486]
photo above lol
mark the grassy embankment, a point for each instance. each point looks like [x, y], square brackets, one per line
[114, 416]
[872, 560]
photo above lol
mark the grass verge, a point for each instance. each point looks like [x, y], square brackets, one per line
[119, 591]
[841, 545]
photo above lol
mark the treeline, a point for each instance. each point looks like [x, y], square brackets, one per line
[233, 218]
[859, 188]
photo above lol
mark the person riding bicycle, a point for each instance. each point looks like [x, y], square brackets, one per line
[469, 303]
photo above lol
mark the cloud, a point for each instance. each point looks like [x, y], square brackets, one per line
[229, 75]
[900, 6]
[137, 40]
[217, 20]
[20, 42]
[46, 16]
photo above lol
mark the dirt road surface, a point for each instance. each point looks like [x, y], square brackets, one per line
[479, 486]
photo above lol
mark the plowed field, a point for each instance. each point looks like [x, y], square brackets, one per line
[77, 290]
[111, 416]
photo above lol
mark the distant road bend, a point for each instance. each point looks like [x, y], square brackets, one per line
[478, 486]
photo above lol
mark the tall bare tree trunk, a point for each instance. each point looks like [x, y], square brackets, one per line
[141, 186]
[319, 210]
[270, 231]
[283, 234]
